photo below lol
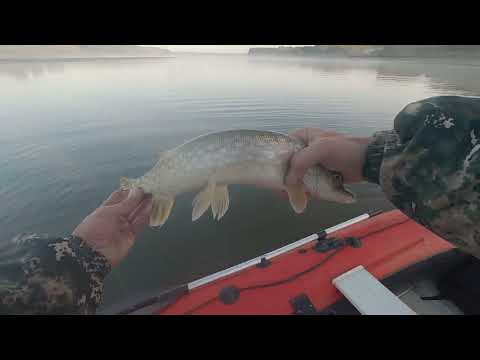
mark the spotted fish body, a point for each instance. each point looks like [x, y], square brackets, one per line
[243, 157]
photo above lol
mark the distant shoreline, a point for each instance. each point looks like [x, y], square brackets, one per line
[344, 57]
[367, 57]
[370, 51]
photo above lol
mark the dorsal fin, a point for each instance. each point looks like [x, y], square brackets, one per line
[162, 154]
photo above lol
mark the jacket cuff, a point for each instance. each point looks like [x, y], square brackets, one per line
[93, 262]
[382, 142]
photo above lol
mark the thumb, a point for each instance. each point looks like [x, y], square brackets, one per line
[141, 217]
[128, 205]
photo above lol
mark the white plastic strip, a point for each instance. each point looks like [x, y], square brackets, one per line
[272, 254]
[368, 295]
[347, 223]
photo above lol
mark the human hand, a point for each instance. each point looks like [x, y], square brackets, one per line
[332, 150]
[112, 228]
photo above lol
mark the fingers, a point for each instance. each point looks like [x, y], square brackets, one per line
[142, 216]
[310, 134]
[305, 159]
[115, 197]
[317, 152]
[302, 134]
[123, 224]
[146, 202]
[128, 205]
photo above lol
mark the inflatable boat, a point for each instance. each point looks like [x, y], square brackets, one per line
[374, 264]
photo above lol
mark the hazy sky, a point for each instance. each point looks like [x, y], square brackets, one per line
[215, 48]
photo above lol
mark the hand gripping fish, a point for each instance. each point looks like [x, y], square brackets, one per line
[211, 162]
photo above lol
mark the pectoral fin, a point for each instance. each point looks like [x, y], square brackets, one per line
[161, 208]
[298, 198]
[220, 201]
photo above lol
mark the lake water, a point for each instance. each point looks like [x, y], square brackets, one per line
[71, 129]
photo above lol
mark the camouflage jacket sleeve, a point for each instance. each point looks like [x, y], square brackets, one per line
[44, 275]
[429, 167]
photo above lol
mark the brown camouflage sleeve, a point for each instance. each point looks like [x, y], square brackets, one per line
[429, 167]
[44, 275]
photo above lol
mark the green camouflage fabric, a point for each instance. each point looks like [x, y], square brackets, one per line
[44, 275]
[430, 168]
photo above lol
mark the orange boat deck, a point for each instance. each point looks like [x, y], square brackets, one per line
[390, 242]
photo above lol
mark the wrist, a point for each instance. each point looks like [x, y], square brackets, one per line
[374, 152]
[364, 145]
[358, 157]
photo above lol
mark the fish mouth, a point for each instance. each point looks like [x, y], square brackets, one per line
[349, 200]
[343, 197]
[348, 197]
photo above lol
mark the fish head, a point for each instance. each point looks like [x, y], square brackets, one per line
[328, 185]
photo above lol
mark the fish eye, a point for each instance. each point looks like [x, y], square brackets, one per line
[338, 177]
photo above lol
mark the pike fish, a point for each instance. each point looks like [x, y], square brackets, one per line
[209, 163]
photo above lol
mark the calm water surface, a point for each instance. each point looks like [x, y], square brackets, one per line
[71, 129]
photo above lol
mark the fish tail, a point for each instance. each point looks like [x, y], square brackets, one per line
[125, 183]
